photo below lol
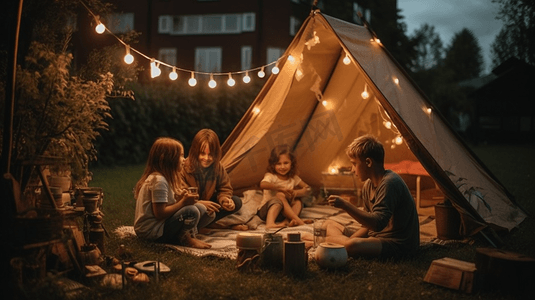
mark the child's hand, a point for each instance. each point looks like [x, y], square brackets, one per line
[211, 207]
[227, 204]
[289, 194]
[336, 201]
[185, 197]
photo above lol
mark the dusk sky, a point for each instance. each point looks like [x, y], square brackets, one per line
[451, 16]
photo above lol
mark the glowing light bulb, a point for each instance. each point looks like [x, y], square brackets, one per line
[365, 94]
[398, 140]
[212, 84]
[377, 40]
[256, 110]
[230, 81]
[261, 73]
[155, 69]
[429, 110]
[100, 28]
[192, 81]
[173, 75]
[128, 58]
[275, 70]
[246, 78]
[291, 59]
[388, 124]
[396, 81]
[347, 60]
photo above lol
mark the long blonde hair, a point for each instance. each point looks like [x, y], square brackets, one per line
[165, 158]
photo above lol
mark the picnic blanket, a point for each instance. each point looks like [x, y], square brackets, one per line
[223, 241]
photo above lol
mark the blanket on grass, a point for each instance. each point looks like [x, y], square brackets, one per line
[223, 241]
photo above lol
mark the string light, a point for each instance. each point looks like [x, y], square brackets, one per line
[155, 69]
[396, 80]
[128, 58]
[173, 75]
[212, 84]
[230, 81]
[291, 59]
[246, 78]
[192, 81]
[261, 73]
[365, 94]
[100, 28]
[347, 60]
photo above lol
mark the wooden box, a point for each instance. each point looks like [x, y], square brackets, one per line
[452, 273]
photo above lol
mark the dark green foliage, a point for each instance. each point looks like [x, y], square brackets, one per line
[517, 36]
[174, 109]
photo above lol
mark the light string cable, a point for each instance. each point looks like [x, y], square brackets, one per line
[260, 69]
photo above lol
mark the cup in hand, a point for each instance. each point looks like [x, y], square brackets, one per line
[193, 191]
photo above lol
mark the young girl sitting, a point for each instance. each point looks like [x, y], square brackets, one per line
[202, 169]
[280, 206]
[165, 213]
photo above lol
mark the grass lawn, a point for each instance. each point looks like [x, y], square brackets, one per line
[214, 278]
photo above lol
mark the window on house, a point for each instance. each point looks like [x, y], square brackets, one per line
[165, 24]
[294, 25]
[249, 22]
[120, 23]
[167, 55]
[246, 57]
[207, 24]
[273, 54]
[208, 59]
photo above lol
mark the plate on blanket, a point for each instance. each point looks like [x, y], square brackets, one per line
[148, 266]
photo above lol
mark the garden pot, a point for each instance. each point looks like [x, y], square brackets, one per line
[64, 182]
[331, 255]
[448, 222]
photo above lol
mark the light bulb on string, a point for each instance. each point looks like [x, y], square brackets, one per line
[291, 59]
[231, 81]
[100, 28]
[261, 73]
[128, 58]
[275, 70]
[212, 84]
[246, 78]
[398, 140]
[155, 69]
[192, 81]
[173, 75]
[365, 94]
[347, 60]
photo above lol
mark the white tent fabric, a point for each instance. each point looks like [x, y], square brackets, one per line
[317, 105]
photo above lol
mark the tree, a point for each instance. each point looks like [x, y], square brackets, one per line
[429, 48]
[463, 56]
[517, 36]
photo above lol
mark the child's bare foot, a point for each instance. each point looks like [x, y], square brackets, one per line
[241, 227]
[277, 225]
[195, 243]
[296, 222]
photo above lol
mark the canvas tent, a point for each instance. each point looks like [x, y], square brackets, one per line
[318, 104]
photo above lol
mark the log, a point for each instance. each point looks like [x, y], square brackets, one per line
[505, 270]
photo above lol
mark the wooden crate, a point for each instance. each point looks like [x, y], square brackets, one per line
[452, 273]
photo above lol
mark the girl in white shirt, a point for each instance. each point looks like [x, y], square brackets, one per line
[165, 212]
[282, 187]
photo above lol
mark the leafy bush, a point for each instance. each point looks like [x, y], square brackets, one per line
[172, 109]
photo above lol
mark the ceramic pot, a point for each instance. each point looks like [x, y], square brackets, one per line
[331, 255]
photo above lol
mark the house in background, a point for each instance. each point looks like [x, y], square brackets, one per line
[504, 104]
[212, 35]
